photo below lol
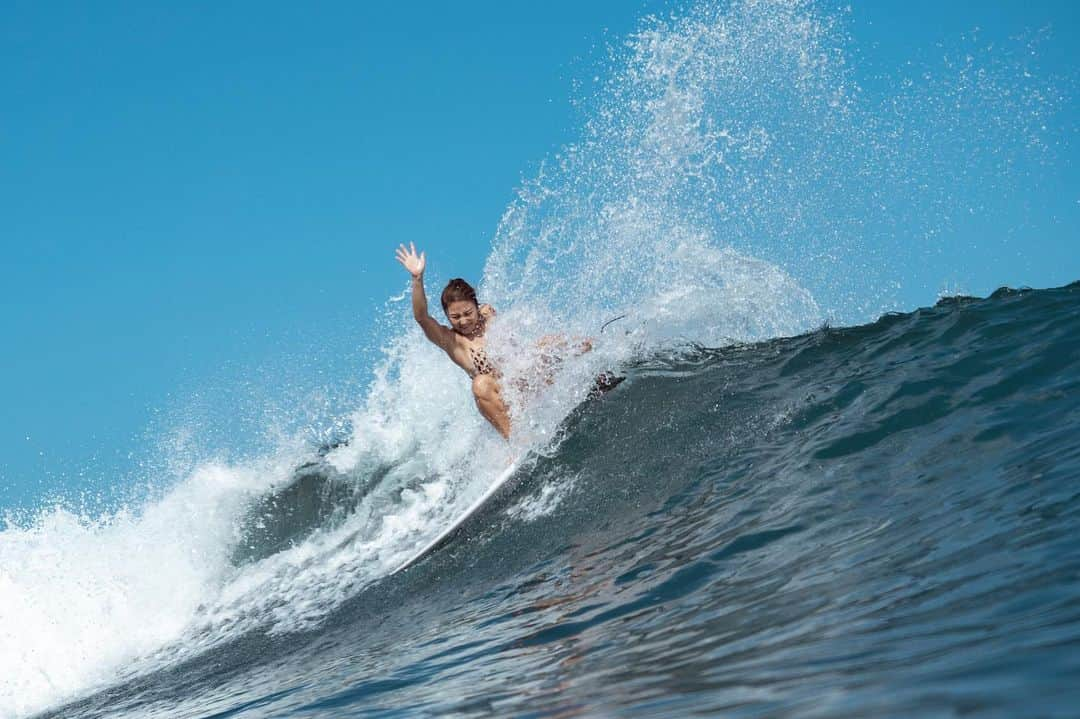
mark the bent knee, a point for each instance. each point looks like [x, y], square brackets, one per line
[484, 385]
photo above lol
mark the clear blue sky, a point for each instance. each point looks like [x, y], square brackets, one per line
[199, 193]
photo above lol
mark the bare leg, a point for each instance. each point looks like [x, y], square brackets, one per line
[490, 403]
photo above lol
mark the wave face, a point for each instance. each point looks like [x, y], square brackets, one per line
[868, 521]
[855, 521]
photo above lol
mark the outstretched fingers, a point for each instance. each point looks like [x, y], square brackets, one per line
[408, 258]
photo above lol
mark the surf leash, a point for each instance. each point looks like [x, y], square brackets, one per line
[613, 319]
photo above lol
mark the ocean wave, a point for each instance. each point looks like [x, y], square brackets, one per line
[880, 514]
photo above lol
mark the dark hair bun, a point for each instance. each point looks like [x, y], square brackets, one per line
[456, 290]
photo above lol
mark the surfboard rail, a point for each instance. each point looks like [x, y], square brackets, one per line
[446, 534]
[605, 382]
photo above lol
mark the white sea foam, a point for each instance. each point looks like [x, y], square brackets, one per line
[542, 502]
[84, 600]
[80, 597]
[713, 183]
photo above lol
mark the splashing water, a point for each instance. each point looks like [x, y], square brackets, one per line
[731, 159]
[733, 182]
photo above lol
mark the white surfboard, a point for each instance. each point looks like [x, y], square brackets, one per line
[473, 508]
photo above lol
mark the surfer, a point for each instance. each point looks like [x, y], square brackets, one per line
[464, 339]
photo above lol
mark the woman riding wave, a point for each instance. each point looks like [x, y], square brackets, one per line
[464, 340]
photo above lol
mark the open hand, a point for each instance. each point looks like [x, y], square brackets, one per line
[411, 261]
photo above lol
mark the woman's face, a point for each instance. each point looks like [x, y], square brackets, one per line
[464, 317]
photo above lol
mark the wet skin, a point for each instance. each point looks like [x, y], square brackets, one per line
[468, 321]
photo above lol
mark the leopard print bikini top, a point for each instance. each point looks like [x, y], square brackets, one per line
[481, 363]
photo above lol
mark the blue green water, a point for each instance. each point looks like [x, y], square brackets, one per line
[768, 517]
[870, 521]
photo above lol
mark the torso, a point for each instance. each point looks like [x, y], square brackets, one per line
[470, 354]
[480, 362]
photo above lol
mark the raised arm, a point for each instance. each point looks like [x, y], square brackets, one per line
[415, 265]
